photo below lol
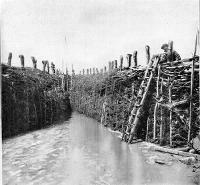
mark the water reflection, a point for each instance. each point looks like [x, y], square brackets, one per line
[76, 152]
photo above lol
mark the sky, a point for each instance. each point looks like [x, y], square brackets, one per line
[89, 33]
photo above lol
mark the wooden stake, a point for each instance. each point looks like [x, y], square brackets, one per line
[72, 77]
[93, 71]
[44, 62]
[34, 62]
[63, 82]
[170, 94]
[112, 65]
[155, 121]
[191, 101]
[9, 58]
[170, 115]
[53, 68]
[66, 71]
[147, 132]
[170, 50]
[109, 66]
[197, 47]
[105, 69]
[135, 59]
[147, 54]
[121, 62]
[128, 57]
[161, 113]
[22, 60]
[67, 82]
[48, 67]
[115, 64]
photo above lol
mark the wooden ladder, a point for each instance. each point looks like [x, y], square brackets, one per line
[133, 121]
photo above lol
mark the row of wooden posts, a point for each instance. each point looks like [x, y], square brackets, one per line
[65, 85]
[46, 64]
[131, 61]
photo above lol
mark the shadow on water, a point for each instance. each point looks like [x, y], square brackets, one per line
[59, 120]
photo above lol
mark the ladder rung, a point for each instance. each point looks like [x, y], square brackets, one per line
[139, 96]
[133, 114]
[146, 77]
[137, 105]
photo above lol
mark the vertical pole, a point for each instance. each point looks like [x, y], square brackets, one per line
[34, 62]
[135, 59]
[44, 62]
[170, 50]
[147, 132]
[170, 93]
[191, 101]
[9, 58]
[170, 115]
[158, 82]
[66, 71]
[109, 66]
[63, 82]
[112, 65]
[22, 60]
[147, 54]
[161, 113]
[48, 67]
[155, 121]
[105, 69]
[72, 77]
[121, 62]
[115, 64]
[156, 106]
[93, 71]
[67, 83]
[128, 57]
[53, 68]
[44, 66]
[198, 44]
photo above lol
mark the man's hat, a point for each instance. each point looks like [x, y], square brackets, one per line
[164, 45]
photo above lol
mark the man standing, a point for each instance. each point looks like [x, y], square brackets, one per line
[167, 56]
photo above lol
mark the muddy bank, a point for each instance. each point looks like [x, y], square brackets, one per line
[31, 99]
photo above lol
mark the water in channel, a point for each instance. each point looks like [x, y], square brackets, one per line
[80, 151]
